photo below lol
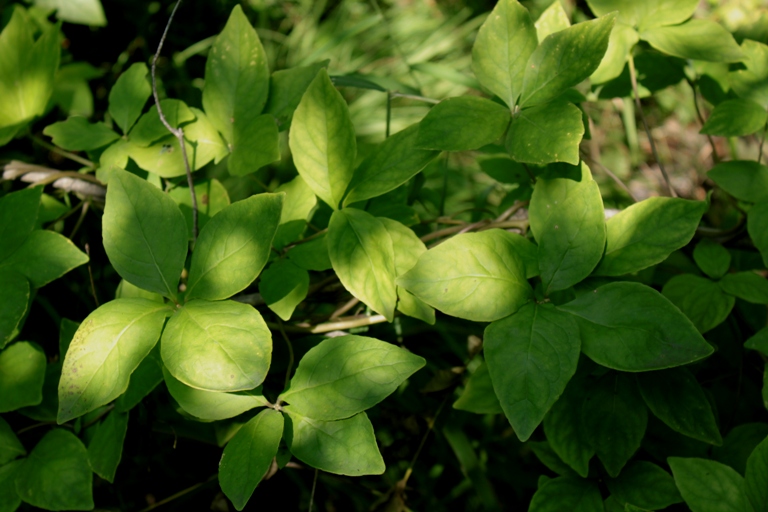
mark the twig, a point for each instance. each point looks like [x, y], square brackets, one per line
[307, 239]
[511, 211]
[90, 274]
[633, 78]
[79, 183]
[354, 301]
[340, 325]
[179, 494]
[80, 219]
[312, 494]
[530, 173]
[611, 175]
[762, 143]
[291, 356]
[715, 156]
[483, 224]
[65, 154]
[177, 132]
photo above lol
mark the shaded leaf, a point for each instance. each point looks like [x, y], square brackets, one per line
[712, 258]
[708, 486]
[286, 87]
[10, 446]
[757, 227]
[284, 286]
[22, 372]
[144, 379]
[212, 197]
[13, 304]
[735, 118]
[700, 299]
[546, 133]
[645, 485]
[255, 143]
[18, 216]
[751, 82]
[565, 431]
[9, 498]
[106, 448]
[45, 256]
[746, 285]
[756, 480]
[128, 96]
[463, 123]
[743, 179]
[478, 395]
[77, 134]
[567, 493]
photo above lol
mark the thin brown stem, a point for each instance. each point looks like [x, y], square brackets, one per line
[80, 219]
[65, 174]
[339, 325]
[312, 494]
[715, 156]
[90, 275]
[308, 239]
[291, 356]
[611, 175]
[487, 224]
[65, 154]
[354, 301]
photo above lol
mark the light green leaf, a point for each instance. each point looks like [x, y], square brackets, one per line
[128, 96]
[614, 418]
[9, 498]
[751, 83]
[343, 447]
[13, 304]
[234, 247]
[71, 91]
[746, 285]
[254, 143]
[84, 12]
[126, 290]
[675, 397]
[299, 202]
[564, 59]
[211, 405]
[283, 286]
[217, 346]
[531, 356]
[10, 446]
[145, 234]
[212, 197]
[654, 334]
[286, 87]
[735, 118]
[647, 232]
[505, 41]
[700, 299]
[567, 493]
[708, 486]
[346, 375]
[46, 410]
[546, 133]
[392, 163]
[756, 480]
[712, 258]
[695, 39]
[553, 19]
[18, 216]
[322, 140]
[363, 257]
[106, 448]
[623, 39]
[248, 456]
[312, 255]
[568, 222]
[144, 379]
[463, 123]
[478, 395]
[236, 75]
[150, 129]
[57, 474]
[564, 430]
[645, 485]
[77, 134]
[759, 341]
[45, 256]
[746, 180]
[649, 13]
[757, 227]
[22, 371]
[459, 274]
[107, 348]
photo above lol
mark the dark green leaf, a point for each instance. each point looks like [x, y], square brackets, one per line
[567, 493]
[359, 82]
[283, 286]
[144, 379]
[756, 480]
[695, 39]
[708, 486]
[759, 341]
[565, 430]
[478, 395]
[743, 179]
[47, 409]
[712, 258]
[18, 216]
[13, 304]
[106, 448]
[546, 133]
[45, 256]
[751, 82]
[255, 143]
[77, 134]
[463, 123]
[700, 299]
[312, 255]
[22, 372]
[757, 226]
[10, 446]
[740, 442]
[286, 87]
[549, 458]
[735, 118]
[645, 485]
[9, 498]
[128, 96]
[746, 285]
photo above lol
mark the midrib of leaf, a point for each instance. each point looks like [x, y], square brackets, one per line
[146, 243]
[368, 257]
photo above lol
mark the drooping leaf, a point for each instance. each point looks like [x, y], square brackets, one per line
[463, 123]
[234, 247]
[18, 216]
[57, 474]
[553, 19]
[212, 197]
[255, 143]
[756, 479]
[10, 446]
[217, 346]
[695, 39]
[751, 82]
[248, 456]
[45, 256]
[757, 227]
[458, 274]
[145, 234]
[363, 257]
[531, 356]
[322, 140]
[654, 334]
[286, 87]
[623, 38]
[565, 431]
[747, 286]
[77, 134]
[746, 180]
[567, 493]
[700, 299]
[712, 258]
[735, 118]
[568, 222]
[283, 286]
[645, 485]
[13, 303]
[128, 96]
[708, 486]
[546, 133]
[9, 498]
[479, 396]
[503, 45]
[22, 371]
[144, 379]
[106, 448]
[346, 375]
[236, 75]
[106, 349]
[343, 447]
[647, 232]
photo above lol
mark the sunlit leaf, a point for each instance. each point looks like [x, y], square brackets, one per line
[735, 118]
[77, 134]
[45, 256]
[695, 39]
[546, 133]
[463, 123]
[211, 405]
[751, 83]
[22, 371]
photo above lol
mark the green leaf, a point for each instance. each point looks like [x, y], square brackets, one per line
[735, 118]
[567, 493]
[84, 12]
[46, 410]
[654, 334]
[77, 134]
[549, 458]
[708, 486]
[106, 448]
[283, 286]
[740, 442]
[211, 405]
[757, 227]
[9, 498]
[712, 258]
[45, 256]
[392, 163]
[745, 180]
[695, 39]
[150, 129]
[756, 480]
[648, 13]
[217, 346]
[746, 285]
[675, 397]
[343, 447]
[505, 41]
[322, 140]
[565, 431]
[553, 19]
[546, 133]
[234, 247]
[623, 38]
[236, 75]
[456, 276]
[144, 379]
[759, 341]
[126, 290]
[248, 456]
[145, 235]
[346, 375]
[700, 299]
[363, 257]
[18, 216]
[57, 474]
[751, 82]
[13, 304]
[463, 123]
[67, 331]
[107, 348]
[10, 446]
[312, 255]
[22, 371]
[647, 232]
[286, 87]
[531, 356]
[614, 418]
[645, 485]
[568, 222]
[71, 91]
[212, 197]
[128, 96]
[564, 59]
[255, 143]
[478, 395]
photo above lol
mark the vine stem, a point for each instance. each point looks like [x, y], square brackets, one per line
[633, 79]
[177, 132]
